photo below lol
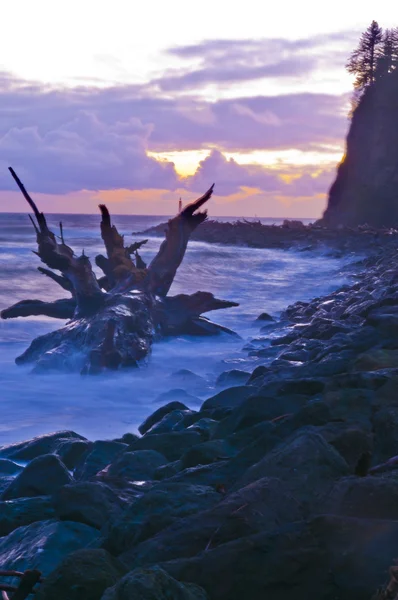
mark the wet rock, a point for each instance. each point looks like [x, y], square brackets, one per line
[128, 438]
[8, 467]
[262, 505]
[83, 575]
[153, 584]
[256, 409]
[376, 359]
[156, 510]
[207, 453]
[100, 455]
[350, 405]
[138, 465]
[70, 451]
[258, 374]
[205, 427]
[305, 462]
[265, 317]
[173, 421]
[43, 545]
[171, 445]
[351, 442]
[189, 379]
[92, 503]
[372, 497]
[231, 397]
[42, 476]
[158, 415]
[167, 471]
[23, 511]
[326, 556]
[249, 435]
[44, 444]
[314, 413]
[385, 427]
[306, 387]
[177, 395]
[231, 378]
[5, 482]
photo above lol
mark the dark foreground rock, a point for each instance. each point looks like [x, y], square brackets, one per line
[327, 557]
[153, 584]
[42, 476]
[83, 575]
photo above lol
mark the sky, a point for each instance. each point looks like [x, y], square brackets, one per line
[137, 104]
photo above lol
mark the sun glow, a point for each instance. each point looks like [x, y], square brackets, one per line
[186, 162]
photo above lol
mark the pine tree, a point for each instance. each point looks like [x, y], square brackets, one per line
[394, 43]
[363, 60]
[385, 54]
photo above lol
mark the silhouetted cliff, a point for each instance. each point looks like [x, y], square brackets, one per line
[366, 187]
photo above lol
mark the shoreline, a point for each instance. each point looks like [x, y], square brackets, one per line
[293, 463]
[290, 235]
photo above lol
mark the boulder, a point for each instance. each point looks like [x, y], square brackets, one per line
[171, 445]
[99, 456]
[139, 465]
[24, 511]
[44, 444]
[43, 545]
[305, 462]
[5, 482]
[327, 557]
[153, 584]
[8, 467]
[256, 409]
[205, 427]
[207, 453]
[230, 397]
[70, 451]
[156, 510]
[235, 377]
[264, 504]
[376, 359]
[159, 414]
[92, 503]
[82, 575]
[173, 421]
[351, 442]
[372, 497]
[42, 476]
[385, 429]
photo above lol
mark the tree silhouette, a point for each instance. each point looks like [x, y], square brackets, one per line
[387, 55]
[363, 61]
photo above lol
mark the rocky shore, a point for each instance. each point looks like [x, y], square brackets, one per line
[284, 484]
[290, 235]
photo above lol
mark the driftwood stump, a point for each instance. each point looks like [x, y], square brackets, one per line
[113, 321]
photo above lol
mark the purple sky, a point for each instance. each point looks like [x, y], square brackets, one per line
[265, 119]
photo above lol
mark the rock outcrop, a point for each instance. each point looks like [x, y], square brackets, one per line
[365, 190]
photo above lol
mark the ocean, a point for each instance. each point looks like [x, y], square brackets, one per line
[107, 406]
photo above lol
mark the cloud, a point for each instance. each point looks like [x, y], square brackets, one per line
[230, 177]
[66, 140]
[232, 61]
[84, 153]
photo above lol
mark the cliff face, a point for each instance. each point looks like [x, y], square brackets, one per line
[366, 186]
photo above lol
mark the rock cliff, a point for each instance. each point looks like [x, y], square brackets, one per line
[366, 186]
